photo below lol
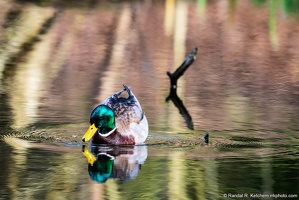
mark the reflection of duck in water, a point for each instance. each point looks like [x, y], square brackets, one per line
[121, 162]
[118, 120]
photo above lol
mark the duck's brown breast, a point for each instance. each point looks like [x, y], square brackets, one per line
[113, 138]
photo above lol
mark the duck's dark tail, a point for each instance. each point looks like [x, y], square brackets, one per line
[128, 91]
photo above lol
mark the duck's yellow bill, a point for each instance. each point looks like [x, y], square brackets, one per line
[89, 133]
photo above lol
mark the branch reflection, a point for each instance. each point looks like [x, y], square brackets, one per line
[182, 109]
[117, 162]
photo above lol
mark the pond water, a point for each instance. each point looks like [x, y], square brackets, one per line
[59, 59]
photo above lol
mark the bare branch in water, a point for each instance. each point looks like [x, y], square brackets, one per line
[181, 69]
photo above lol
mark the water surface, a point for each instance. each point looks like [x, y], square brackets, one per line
[58, 60]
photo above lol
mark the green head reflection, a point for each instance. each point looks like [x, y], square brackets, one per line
[101, 169]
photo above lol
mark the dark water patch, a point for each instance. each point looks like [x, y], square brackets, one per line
[11, 18]
[246, 139]
[46, 26]
[234, 146]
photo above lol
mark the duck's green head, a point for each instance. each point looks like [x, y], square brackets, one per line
[102, 120]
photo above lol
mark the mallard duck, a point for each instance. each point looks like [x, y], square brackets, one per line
[118, 120]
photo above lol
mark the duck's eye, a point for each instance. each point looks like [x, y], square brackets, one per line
[101, 118]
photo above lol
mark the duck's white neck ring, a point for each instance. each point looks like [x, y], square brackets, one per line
[109, 133]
